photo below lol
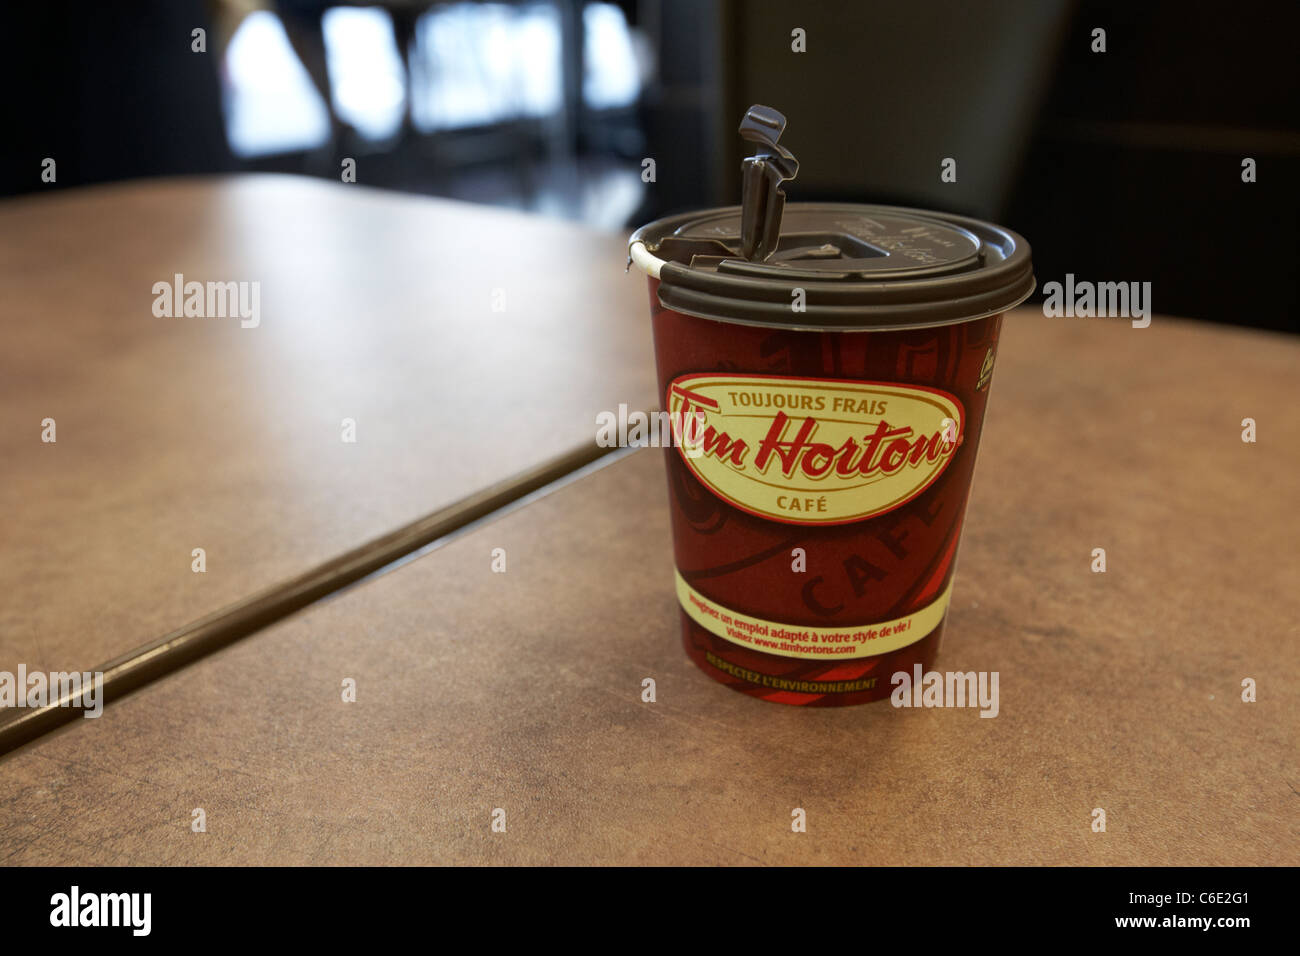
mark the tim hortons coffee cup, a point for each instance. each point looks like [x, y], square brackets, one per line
[825, 368]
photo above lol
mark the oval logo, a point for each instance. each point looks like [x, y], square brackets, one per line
[813, 451]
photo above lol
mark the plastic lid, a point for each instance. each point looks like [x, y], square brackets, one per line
[828, 266]
[859, 266]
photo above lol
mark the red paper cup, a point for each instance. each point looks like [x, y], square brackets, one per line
[827, 406]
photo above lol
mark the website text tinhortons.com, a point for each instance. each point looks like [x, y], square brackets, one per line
[55, 689]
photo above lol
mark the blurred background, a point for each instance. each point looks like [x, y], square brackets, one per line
[1123, 165]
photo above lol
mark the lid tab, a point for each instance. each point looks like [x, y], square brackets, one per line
[762, 199]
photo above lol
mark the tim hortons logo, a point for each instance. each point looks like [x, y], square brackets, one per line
[813, 451]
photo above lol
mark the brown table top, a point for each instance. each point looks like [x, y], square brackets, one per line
[183, 433]
[521, 690]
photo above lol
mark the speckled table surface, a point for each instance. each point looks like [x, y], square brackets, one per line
[467, 344]
[521, 692]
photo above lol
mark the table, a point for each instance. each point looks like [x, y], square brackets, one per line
[521, 691]
[469, 345]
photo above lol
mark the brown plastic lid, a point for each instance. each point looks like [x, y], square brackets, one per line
[827, 266]
[858, 266]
